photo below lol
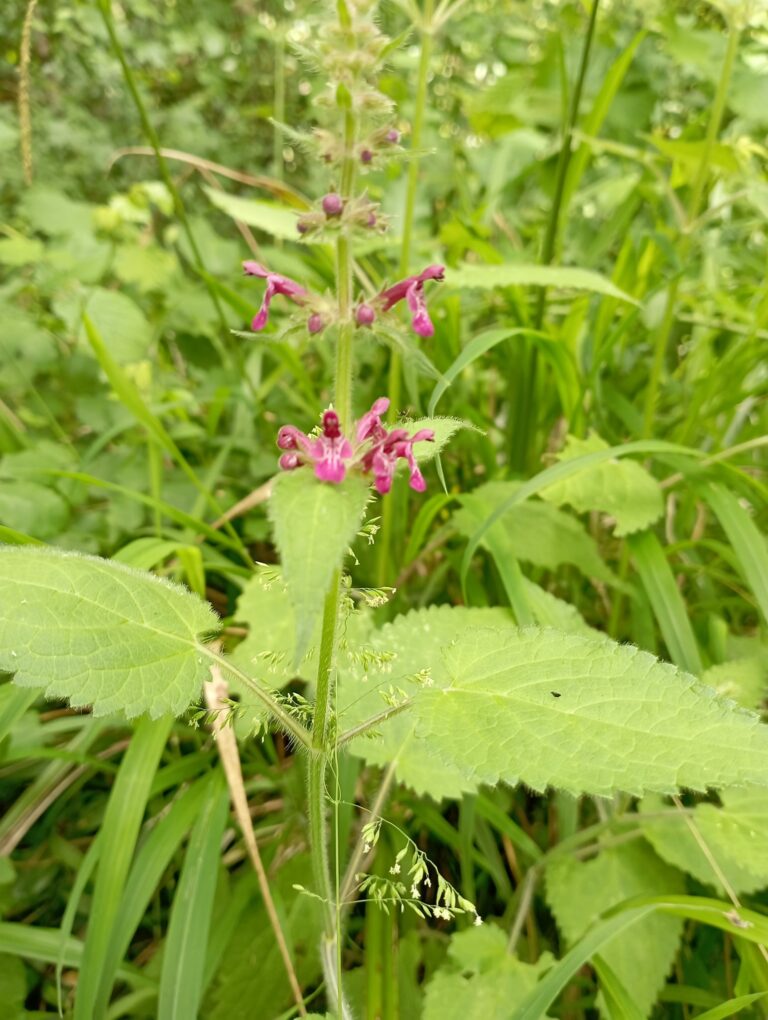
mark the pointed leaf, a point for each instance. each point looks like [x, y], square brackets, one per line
[100, 633]
[315, 523]
[585, 715]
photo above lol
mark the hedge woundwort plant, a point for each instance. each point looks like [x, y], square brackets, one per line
[446, 698]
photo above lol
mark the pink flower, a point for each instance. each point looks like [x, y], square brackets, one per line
[329, 452]
[377, 449]
[412, 289]
[276, 284]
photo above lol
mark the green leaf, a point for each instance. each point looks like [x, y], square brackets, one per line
[735, 836]
[126, 330]
[480, 980]
[270, 217]
[13, 988]
[743, 680]
[581, 714]
[100, 633]
[181, 979]
[620, 488]
[149, 267]
[580, 891]
[533, 532]
[314, 523]
[444, 429]
[20, 251]
[32, 509]
[528, 275]
[731, 1007]
[391, 657]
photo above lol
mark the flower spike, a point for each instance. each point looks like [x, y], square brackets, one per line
[276, 284]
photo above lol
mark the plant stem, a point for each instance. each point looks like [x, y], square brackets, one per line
[694, 208]
[394, 383]
[279, 107]
[522, 397]
[344, 269]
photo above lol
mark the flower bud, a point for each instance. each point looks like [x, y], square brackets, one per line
[364, 315]
[315, 323]
[393, 136]
[332, 204]
[371, 221]
[366, 156]
[331, 425]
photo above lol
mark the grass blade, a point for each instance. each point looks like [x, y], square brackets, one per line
[119, 831]
[747, 541]
[181, 981]
[668, 605]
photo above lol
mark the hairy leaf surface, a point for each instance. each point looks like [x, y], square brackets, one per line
[585, 715]
[314, 523]
[99, 633]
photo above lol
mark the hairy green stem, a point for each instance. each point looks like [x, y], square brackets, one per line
[522, 397]
[394, 383]
[279, 107]
[661, 342]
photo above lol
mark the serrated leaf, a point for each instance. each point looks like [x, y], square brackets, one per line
[735, 835]
[580, 891]
[534, 532]
[584, 715]
[270, 217]
[480, 980]
[411, 643]
[99, 633]
[444, 429]
[514, 274]
[314, 523]
[620, 488]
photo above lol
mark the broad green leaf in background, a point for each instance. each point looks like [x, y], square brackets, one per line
[271, 217]
[513, 274]
[121, 322]
[621, 488]
[33, 509]
[735, 834]
[532, 532]
[314, 524]
[99, 633]
[578, 892]
[251, 971]
[480, 979]
[745, 680]
[13, 988]
[583, 715]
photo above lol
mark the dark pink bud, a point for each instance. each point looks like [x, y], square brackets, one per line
[331, 425]
[393, 136]
[332, 204]
[364, 315]
[302, 226]
[366, 156]
[315, 323]
[371, 221]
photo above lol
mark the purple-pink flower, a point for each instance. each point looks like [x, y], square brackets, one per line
[276, 284]
[412, 289]
[376, 449]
